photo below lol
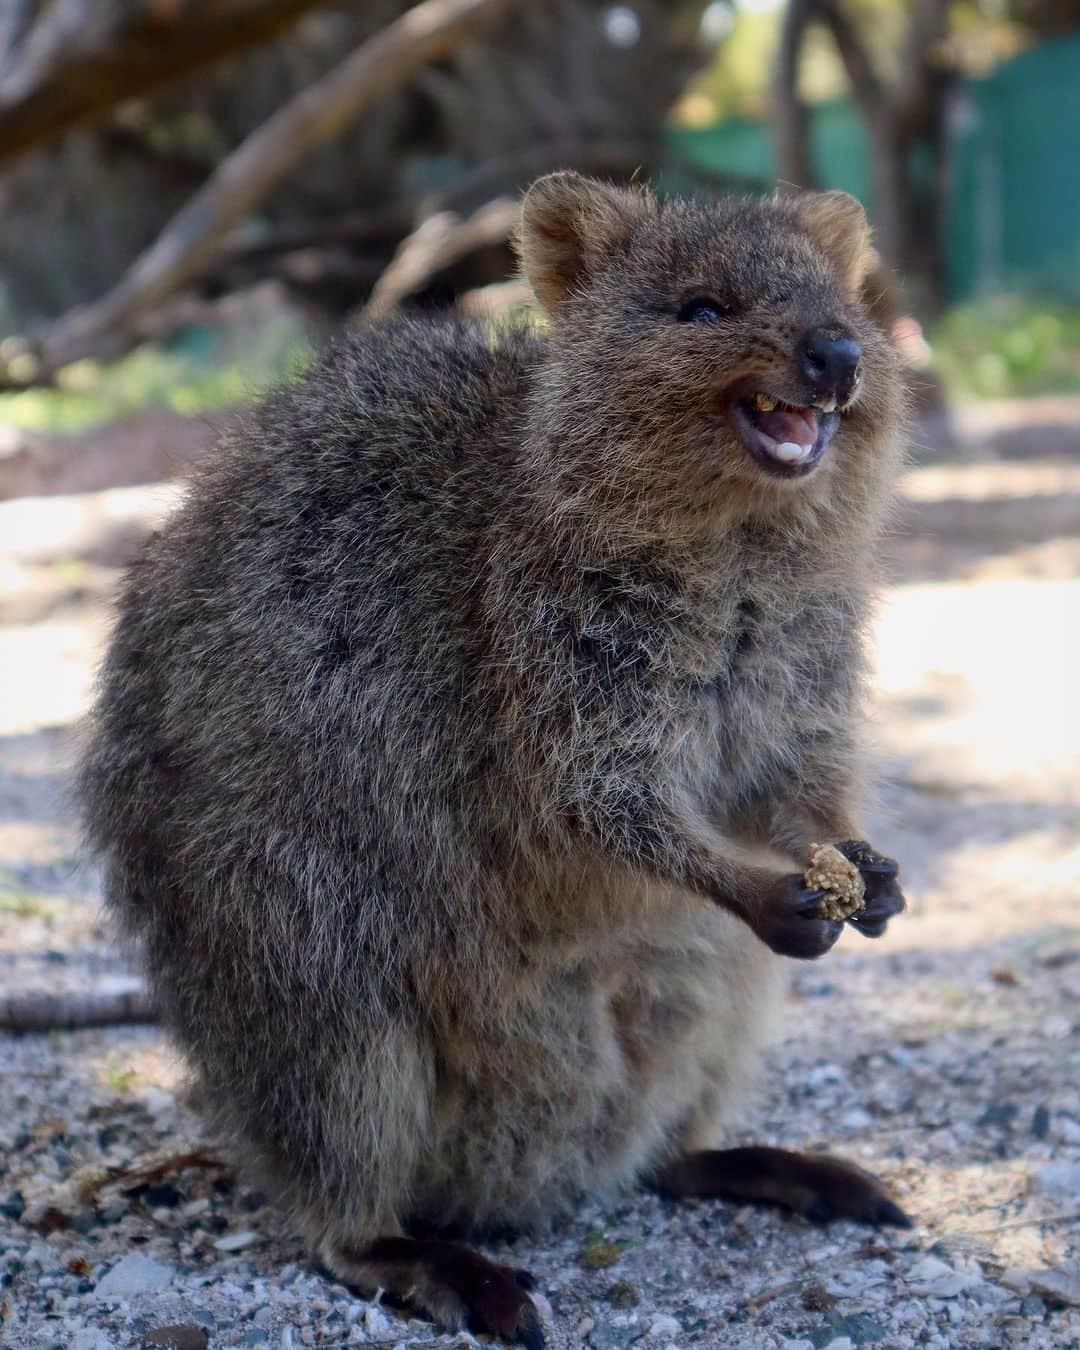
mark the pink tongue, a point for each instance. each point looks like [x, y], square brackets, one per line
[787, 425]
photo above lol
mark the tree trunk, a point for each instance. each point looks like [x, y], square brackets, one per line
[791, 120]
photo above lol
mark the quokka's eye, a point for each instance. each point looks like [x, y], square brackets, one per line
[702, 309]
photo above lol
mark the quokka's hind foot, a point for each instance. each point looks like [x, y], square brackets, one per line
[813, 1185]
[453, 1285]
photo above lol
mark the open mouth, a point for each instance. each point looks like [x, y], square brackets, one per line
[787, 439]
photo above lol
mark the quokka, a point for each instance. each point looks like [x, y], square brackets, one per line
[462, 736]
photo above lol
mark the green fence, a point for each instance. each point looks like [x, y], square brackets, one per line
[1013, 212]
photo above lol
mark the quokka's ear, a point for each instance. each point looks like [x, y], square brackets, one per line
[837, 224]
[569, 226]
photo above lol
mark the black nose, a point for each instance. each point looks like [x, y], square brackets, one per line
[830, 361]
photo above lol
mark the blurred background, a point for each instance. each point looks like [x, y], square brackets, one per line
[194, 194]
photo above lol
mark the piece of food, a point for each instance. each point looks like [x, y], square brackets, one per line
[830, 871]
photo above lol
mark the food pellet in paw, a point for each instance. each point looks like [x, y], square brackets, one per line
[830, 871]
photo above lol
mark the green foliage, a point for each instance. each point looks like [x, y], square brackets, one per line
[1009, 346]
[200, 369]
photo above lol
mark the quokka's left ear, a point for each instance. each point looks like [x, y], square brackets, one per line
[838, 226]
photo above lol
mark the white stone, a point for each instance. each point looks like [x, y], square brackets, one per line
[1059, 1286]
[820, 1074]
[946, 1286]
[856, 1119]
[89, 1339]
[236, 1242]
[1068, 1131]
[376, 1322]
[663, 1325]
[840, 1343]
[1060, 1178]
[1017, 1279]
[135, 1274]
[929, 1268]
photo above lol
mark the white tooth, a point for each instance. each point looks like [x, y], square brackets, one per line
[791, 452]
[764, 403]
[828, 405]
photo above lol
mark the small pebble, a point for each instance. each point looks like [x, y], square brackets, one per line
[1058, 1178]
[236, 1242]
[1060, 1287]
[135, 1274]
[180, 1337]
[663, 1325]
[89, 1339]
[1016, 1278]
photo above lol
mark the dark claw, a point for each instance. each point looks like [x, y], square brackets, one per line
[867, 859]
[809, 906]
[890, 1213]
[789, 925]
[884, 898]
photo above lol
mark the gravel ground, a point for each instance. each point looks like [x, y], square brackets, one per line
[945, 1058]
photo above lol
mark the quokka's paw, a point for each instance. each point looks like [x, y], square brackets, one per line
[454, 1285]
[789, 923]
[880, 875]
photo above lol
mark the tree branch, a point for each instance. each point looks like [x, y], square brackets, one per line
[436, 243]
[791, 120]
[870, 94]
[922, 68]
[82, 58]
[245, 177]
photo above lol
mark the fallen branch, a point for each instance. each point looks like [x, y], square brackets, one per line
[112, 1003]
[1047, 1221]
[244, 178]
[435, 244]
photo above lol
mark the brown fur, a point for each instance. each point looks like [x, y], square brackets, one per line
[460, 735]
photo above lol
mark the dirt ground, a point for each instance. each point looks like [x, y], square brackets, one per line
[945, 1057]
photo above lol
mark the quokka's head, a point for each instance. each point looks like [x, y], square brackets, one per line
[703, 351]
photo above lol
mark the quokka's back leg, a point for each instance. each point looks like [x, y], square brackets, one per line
[814, 1185]
[452, 1284]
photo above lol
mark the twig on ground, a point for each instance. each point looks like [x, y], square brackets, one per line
[105, 1006]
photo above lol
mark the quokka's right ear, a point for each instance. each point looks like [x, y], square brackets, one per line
[569, 226]
[837, 223]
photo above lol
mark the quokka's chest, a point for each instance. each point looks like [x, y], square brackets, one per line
[773, 679]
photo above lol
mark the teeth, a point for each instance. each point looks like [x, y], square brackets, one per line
[763, 403]
[791, 452]
[826, 405]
